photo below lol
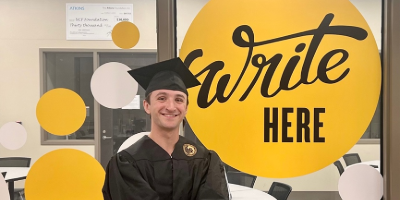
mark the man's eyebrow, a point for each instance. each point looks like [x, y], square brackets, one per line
[180, 95]
[161, 93]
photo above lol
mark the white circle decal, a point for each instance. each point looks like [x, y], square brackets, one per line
[13, 135]
[112, 86]
[360, 182]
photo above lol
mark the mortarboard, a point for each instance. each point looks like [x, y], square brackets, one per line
[170, 74]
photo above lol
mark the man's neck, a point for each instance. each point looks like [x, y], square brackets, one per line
[165, 139]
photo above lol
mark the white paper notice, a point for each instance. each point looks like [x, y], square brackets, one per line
[135, 104]
[95, 21]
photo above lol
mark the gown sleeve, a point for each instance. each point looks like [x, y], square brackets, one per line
[214, 184]
[123, 181]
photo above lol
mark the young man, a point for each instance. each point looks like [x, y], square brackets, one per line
[164, 165]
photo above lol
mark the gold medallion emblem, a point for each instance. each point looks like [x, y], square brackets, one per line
[189, 149]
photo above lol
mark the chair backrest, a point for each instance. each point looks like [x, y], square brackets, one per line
[228, 168]
[339, 166]
[131, 140]
[4, 174]
[280, 191]
[15, 162]
[351, 158]
[240, 178]
[226, 179]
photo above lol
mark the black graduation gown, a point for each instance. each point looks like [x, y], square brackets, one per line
[145, 171]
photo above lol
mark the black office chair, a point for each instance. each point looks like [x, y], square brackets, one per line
[228, 168]
[339, 166]
[240, 178]
[351, 158]
[16, 162]
[280, 191]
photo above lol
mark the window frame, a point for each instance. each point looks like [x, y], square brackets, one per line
[369, 141]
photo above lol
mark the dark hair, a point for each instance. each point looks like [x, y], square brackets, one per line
[147, 99]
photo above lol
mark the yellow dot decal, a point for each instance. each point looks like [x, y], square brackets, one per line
[61, 111]
[65, 174]
[125, 35]
[288, 87]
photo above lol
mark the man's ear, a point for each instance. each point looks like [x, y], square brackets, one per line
[146, 106]
[186, 109]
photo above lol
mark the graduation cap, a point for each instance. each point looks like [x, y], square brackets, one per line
[170, 75]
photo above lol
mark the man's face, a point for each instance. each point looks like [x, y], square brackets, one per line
[167, 109]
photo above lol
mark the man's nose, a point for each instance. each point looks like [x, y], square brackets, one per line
[170, 105]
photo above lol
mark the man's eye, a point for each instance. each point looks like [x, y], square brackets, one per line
[161, 98]
[179, 100]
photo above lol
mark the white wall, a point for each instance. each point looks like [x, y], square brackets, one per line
[26, 26]
[370, 9]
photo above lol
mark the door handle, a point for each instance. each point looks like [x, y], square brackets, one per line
[106, 138]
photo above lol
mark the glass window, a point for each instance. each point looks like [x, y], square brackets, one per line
[72, 71]
[126, 121]
[374, 129]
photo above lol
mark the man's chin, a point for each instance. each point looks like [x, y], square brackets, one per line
[171, 127]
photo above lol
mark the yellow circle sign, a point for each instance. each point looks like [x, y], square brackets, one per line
[65, 174]
[61, 111]
[125, 35]
[288, 87]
